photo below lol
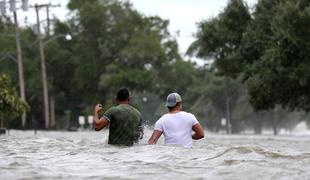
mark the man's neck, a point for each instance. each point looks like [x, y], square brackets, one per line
[122, 102]
[175, 110]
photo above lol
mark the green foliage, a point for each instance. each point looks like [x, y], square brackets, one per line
[268, 48]
[112, 48]
[281, 33]
[115, 46]
[219, 38]
[10, 104]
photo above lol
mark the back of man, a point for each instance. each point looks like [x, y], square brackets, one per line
[177, 128]
[125, 122]
[177, 125]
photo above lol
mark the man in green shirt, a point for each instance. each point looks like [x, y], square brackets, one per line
[125, 121]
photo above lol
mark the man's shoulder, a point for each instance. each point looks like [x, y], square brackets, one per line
[165, 116]
[110, 109]
[130, 108]
[134, 109]
[115, 109]
[187, 113]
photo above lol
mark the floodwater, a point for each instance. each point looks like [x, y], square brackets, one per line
[86, 155]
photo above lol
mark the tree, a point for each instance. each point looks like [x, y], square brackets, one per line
[275, 51]
[112, 48]
[115, 42]
[11, 105]
[8, 56]
[219, 38]
[269, 50]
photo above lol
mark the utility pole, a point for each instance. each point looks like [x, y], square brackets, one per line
[228, 123]
[13, 9]
[227, 101]
[52, 102]
[42, 61]
[43, 70]
[48, 20]
[20, 66]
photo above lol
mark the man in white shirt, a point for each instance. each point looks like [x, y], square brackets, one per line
[177, 125]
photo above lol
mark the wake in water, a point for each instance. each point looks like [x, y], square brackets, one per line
[83, 155]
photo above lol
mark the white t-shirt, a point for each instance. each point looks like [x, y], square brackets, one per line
[177, 128]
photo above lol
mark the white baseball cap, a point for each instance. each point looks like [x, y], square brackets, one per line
[173, 99]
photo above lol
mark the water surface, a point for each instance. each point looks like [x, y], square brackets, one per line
[86, 155]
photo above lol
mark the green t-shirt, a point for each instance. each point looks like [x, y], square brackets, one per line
[125, 122]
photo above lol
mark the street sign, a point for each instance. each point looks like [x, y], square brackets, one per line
[81, 120]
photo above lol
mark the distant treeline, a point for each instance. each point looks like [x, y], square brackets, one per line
[259, 77]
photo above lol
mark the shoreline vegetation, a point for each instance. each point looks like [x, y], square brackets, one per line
[259, 78]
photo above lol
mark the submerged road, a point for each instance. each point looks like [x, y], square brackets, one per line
[84, 155]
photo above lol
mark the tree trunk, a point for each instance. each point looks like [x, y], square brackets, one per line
[275, 130]
[258, 126]
[274, 126]
[235, 128]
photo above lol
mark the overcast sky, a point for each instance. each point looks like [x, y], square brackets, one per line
[182, 14]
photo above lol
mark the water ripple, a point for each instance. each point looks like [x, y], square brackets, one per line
[85, 155]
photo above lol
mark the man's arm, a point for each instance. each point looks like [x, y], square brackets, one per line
[198, 132]
[99, 124]
[155, 136]
[141, 132]
[141, 129]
